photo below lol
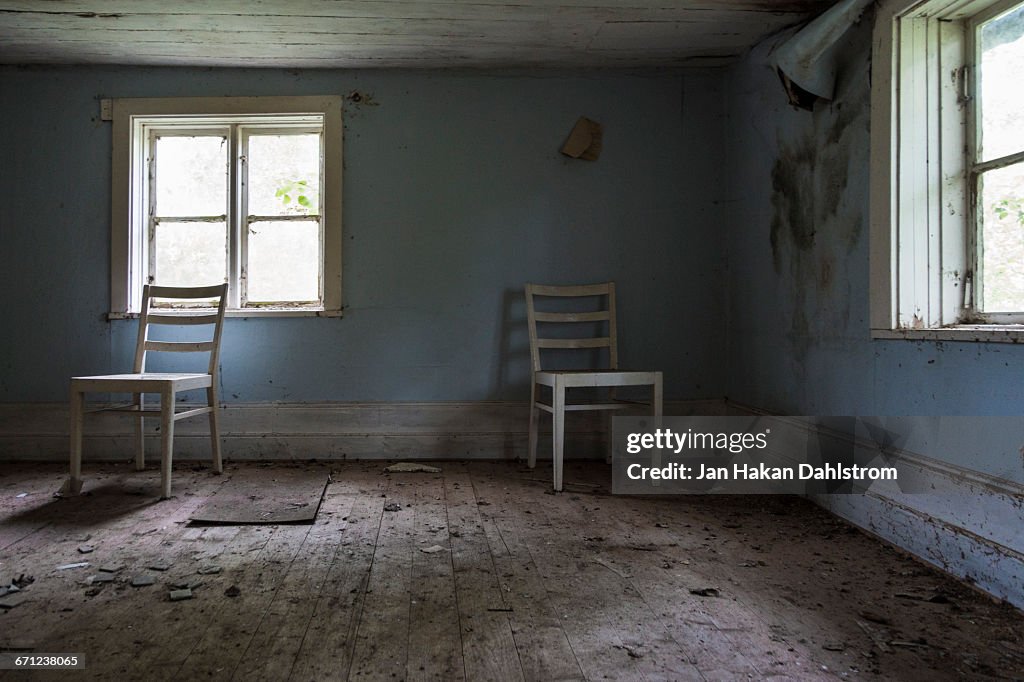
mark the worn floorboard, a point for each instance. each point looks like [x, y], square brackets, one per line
[517, 583]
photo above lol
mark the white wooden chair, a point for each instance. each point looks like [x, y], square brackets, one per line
[167, 385]
[559, 381]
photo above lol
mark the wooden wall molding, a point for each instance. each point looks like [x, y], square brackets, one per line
[385, 430]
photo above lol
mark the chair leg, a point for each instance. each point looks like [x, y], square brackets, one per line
[139, 399]
[606, 417]
[657, 394]
[73, 486]
[531, 460]
[608, 428]
[166, 442]
[558, 430]
[211, 400]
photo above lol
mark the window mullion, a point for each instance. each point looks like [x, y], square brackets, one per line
[995, 164]
[972, 296]
[151, 219]
[950, 207]
[235, 225]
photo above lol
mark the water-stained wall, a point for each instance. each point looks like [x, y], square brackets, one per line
[799, 340]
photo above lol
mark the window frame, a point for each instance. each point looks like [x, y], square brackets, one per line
[129, 244]
[976, 167]
[923, 222]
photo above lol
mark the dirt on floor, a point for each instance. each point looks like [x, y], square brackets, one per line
[479, 571]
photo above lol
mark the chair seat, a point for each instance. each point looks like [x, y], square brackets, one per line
[575, 378]
[144, 382]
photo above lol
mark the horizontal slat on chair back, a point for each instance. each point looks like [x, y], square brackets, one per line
[203, 318]
[596, 342]
[180, 346]
[597, 316]
[572, 290]
[185, 292]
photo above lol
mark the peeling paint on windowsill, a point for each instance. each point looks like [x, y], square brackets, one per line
[971, 333]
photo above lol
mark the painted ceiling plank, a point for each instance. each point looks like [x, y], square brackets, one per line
[285, 33]
[406, 8]
[564, 23]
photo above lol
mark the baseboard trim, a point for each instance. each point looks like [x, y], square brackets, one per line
[968, 524]
[331, 431]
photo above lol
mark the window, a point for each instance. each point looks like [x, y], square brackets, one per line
[242, 190]
[997, 162]
[947, 248]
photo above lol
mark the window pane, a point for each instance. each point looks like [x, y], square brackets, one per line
[190, 254]
[1001, 208]
[191, 176]
[284, 261]
[284, 174]
[1001, 47]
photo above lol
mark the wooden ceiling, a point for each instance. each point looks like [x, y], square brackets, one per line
[392, 33]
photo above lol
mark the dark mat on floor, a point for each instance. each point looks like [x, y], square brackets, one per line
[272, 496]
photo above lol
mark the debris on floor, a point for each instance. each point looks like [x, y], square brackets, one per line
[433, 549]
[392, 507]
[186, 585]
[66, 567]
[633, 653]
[86, 549]
[874, 617]
[411, 468]
[797, 593]
[142, 580]
[9, 601]
[209, 570]
[180, 595]
[159, 566]
[100, 578]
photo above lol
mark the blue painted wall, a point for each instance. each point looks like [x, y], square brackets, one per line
[798, 281]
[454, 196]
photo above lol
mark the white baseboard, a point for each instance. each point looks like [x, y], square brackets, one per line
[967, 523]
[338, 431]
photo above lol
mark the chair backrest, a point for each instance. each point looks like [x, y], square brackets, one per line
[572, 294]
[179, 318]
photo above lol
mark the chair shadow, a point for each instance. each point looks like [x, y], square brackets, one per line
[512, 380]
[96, 506]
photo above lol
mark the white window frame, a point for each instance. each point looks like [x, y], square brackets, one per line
[134, 117]
[922, 216]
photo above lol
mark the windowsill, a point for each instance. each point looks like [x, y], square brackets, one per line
[975, 333]
[238, 312]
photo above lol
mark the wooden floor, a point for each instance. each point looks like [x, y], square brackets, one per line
[527, 585]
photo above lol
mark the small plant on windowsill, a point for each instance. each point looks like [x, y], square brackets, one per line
[301, 192]
[1012, 206]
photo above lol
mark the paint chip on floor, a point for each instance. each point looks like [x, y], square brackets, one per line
[411, 468]
[66, 567]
